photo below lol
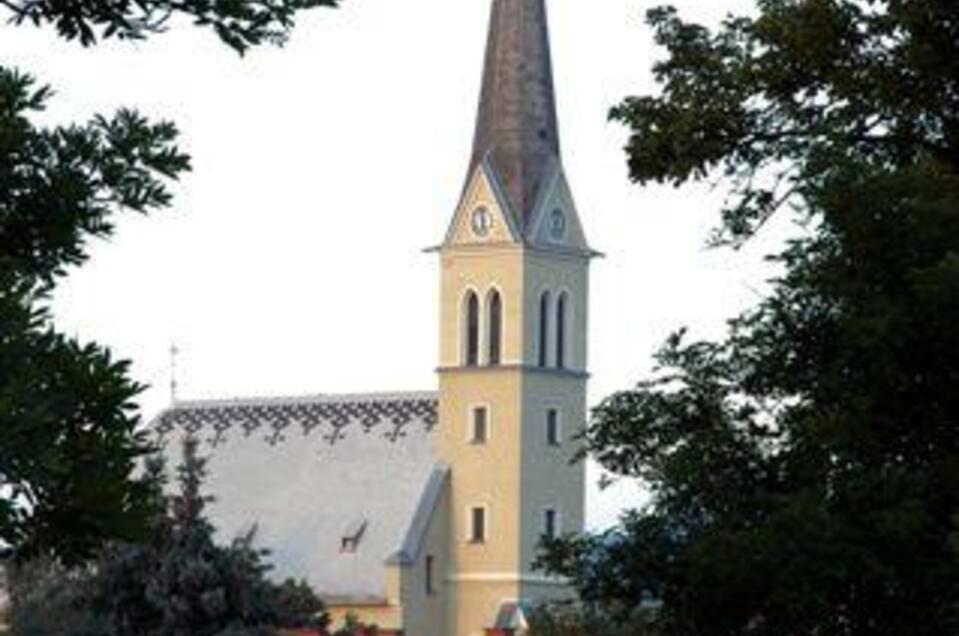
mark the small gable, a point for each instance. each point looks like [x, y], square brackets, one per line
[484, 215]
[556, 222]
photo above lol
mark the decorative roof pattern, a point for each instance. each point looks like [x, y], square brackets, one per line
[516, 127]
[306, 472]
[277, 420]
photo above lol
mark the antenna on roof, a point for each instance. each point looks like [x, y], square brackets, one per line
[174, 352]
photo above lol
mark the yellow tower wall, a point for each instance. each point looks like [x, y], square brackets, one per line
[548, 480]
[516, 474]
[426, 614]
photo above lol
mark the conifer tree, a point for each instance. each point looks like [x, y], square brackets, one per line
[178, 582]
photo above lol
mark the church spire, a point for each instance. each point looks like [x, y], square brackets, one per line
[516, 125]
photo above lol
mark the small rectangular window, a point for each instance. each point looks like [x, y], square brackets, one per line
[478, 525]
[552, 427]
[480, 427]
[550, 528]
[430, 591]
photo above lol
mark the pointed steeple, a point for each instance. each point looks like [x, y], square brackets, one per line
[516, 127]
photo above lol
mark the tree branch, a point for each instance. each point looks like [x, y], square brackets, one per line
[18, 9]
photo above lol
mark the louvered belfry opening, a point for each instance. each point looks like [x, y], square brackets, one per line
[516, 124]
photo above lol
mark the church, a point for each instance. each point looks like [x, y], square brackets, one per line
[422, 512]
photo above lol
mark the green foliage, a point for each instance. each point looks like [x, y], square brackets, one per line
[805, 470]
[296, 606]
[353, 626]
[177, 582]
[60, 186]
[45, 601]
[240, 24]
[70, 441]
[563, 619]
[779, 101]
[66, 408]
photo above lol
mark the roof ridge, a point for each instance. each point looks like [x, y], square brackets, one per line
[383, 396]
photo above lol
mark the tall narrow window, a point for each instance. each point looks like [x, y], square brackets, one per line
[478, 525]
[550, 525]
[543, 328]
[472, 329]
[430, 590]
[552, 427]
[495, 328]
[480, 426]
[561, 332]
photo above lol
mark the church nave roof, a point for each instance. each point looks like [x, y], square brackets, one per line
[335, 486]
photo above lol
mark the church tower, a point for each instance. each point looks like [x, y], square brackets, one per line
[512, 373]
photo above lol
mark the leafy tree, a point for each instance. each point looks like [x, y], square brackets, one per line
[353, 626]
[784, 102]
[70, 441]
[177, 582]
[239, 23]
[805, 469]
[67, 408]
[568, 619]
[45, 601]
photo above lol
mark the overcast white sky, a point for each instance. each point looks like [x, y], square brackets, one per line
[291, 260]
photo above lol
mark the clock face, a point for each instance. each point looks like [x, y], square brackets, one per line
[557, 225]
[481, 222]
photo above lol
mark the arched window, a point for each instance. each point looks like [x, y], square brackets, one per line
[561, 332]
[543, 328]
[471, 329]
[495, 317]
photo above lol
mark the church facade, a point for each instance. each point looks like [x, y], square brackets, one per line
[422, 512]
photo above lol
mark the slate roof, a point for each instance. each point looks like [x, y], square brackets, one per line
[516, 125]
[306, 472]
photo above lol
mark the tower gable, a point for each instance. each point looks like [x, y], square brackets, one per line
[483, 192]
[554, 208]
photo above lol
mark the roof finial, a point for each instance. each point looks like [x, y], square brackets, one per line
[174, 352]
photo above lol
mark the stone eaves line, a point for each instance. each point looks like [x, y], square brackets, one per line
[340, 600]
[484, 249]
[529, 368]
[507, 577]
